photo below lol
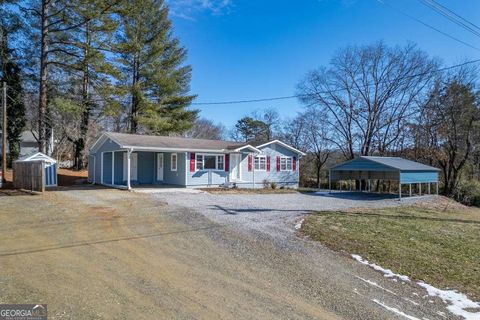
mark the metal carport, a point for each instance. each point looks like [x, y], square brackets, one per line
[405, 172]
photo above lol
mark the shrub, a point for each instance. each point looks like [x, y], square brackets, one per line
[273, 185]
[266, 184]
[468, 192]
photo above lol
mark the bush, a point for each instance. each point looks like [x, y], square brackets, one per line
[266, 184]
[468, 192]
[273, 185]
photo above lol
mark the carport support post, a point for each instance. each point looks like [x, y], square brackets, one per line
[410, 189]
[330, 181]
[437, 187]
[429, 189]
[419, 189]
[129, 153]
[399, 191]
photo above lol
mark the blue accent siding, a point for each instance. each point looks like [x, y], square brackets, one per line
[107, 168]
[118, 168]
[361, 164]
[173, 177]
[418, 176]
[145, 167]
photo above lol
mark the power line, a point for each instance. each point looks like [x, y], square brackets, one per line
[452, 16]
[336, 90]
[428, 25]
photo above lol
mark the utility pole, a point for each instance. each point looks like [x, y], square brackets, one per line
[4, 131]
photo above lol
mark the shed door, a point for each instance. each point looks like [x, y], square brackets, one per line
[133, 166]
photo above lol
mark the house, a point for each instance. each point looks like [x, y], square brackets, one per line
[125, 160]
[29, 143]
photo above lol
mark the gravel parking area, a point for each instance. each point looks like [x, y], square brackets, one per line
[94, 253]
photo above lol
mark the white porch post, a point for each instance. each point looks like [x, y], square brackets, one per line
[113, 168]
[129, 153]
[253, 169]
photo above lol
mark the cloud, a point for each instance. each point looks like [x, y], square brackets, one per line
[188, 9]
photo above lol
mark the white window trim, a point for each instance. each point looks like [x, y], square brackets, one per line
[171, 162]
[216, 161]
[286, 163]
[258, 157]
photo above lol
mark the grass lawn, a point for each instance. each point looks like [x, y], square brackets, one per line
[437, 243]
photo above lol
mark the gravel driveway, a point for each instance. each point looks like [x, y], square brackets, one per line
[261, 229]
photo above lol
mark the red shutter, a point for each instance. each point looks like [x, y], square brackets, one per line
[192, 162]
[294, 163]
[250, 162]
[268, 163]
[227, 162]
[278, 163]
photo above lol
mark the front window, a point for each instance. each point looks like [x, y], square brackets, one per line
[210, 162]
[285, 164]
[261, 163]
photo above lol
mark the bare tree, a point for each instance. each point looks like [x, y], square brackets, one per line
[368, 94]
[206, 129]
[450, 124]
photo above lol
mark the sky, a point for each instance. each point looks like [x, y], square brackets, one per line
[247, 49]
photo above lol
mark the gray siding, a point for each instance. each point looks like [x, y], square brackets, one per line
[281, 178]
[108, 145]
[173, 177]
[201, 178]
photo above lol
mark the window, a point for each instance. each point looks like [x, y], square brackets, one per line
[285, 164]
[173, 162]
[210, 162]
[261, 163]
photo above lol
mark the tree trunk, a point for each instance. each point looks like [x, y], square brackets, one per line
[134, 110]
[42, 101]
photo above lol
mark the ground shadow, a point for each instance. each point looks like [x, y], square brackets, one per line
[352, 195]
[399, 217]
[255, 210]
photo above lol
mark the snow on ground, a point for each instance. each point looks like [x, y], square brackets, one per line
[395, 310]
[386, 272]
[459, 303]
[299, 224]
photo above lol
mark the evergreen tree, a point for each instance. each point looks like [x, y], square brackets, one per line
[153, 71]
[11, 74]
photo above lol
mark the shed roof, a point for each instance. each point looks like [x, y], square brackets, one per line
[396, 163]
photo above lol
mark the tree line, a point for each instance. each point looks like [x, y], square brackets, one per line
[384, 101]
[78, 67]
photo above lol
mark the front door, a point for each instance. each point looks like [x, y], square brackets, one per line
[235, 169]
[160, 167]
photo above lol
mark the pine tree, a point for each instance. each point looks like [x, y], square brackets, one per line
[153, 70]
[11, 74]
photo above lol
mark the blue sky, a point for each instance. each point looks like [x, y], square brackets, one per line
[246, 49]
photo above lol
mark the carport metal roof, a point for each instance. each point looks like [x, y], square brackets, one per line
[385, 168]
[382, 164]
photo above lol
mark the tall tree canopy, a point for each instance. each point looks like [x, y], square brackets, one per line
[154, 76]
[368, 94]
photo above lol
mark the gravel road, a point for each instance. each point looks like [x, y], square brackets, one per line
[93, 253]
[261, 229]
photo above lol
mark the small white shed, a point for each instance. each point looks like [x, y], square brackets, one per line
[50, 167]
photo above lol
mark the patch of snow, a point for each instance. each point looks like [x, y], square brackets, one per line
[299, 224]
[373, 283]
[411, 301]
[395, 310]
[458, 302]
[386, 272]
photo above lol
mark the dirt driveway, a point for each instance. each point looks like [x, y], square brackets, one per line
[109, 254]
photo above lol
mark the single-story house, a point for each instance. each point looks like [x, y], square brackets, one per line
[125, 160]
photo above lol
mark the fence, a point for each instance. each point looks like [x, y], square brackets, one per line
[29, 175]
